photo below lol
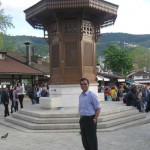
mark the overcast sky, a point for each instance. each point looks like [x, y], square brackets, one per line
[133, 17]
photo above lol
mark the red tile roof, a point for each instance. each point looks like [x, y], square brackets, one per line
[11, 66]
[44, 67]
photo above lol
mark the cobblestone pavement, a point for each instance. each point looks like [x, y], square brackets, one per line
[133, 138]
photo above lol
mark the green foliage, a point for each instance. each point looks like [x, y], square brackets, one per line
[1, 40]
[5, 21]
[13, 43]
[16, 43]
[119, 38]
[118, 59]
[142, 57]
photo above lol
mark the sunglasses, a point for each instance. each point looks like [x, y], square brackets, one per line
[83, 84]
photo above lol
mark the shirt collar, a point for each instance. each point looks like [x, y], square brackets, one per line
[86, 93]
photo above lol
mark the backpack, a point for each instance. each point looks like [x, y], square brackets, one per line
[44, 93]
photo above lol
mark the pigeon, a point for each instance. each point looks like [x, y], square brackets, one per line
[4, 136]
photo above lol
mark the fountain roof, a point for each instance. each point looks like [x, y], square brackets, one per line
[103, 10]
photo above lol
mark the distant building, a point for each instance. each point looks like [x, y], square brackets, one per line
[129, 45]
[141, 76]
[14, 68]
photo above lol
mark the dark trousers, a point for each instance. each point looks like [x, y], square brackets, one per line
[6, 111]
[20, 97]
[148, 106]
[16, 106]
[37, 100]
[88, 133]
[12, 105]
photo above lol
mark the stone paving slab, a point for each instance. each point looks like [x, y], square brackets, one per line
[132, 138]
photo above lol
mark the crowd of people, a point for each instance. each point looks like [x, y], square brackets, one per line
[16, 94]
[132, 95]
[35, 92]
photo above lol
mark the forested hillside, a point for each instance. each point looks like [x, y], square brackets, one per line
[11, 43]
[121, 38]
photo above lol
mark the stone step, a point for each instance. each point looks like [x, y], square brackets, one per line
[123, 120]
[113, 128]
[34, 126]
[61, 114]
[70, 120]
[45, 120]
[120, 114]
[34, 119]
[23, 129]
[116, 110]
[64, 126]
[125, 125]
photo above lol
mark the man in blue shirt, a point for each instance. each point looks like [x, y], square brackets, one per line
[89, 110]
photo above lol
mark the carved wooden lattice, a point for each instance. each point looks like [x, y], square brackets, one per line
[55, 56]
[54, 30]
[97, 32]
[96, 4]
[71, 58]
[88, 54]
[87, 28]
[70, 27]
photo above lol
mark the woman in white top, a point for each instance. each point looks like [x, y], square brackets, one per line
[38, 94]
[20, 94]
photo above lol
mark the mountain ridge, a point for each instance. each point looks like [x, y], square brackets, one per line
[12, 43]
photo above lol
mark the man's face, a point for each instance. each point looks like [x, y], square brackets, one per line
[84, 85]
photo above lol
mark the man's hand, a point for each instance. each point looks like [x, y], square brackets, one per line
[95, 121]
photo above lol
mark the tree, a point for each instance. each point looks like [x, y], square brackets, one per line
[5, 23]
[118, 59]
[141, 57]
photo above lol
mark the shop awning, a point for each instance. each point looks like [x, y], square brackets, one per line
[130, 82]
[100, 78]
[121, 80]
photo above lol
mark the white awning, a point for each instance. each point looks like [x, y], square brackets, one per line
[148, 81]
[100, 78]
[121, 80]
[106, 79]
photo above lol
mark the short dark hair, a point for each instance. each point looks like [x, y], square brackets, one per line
[82, 79]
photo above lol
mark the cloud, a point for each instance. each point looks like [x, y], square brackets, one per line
[17, 4]
[15, 8]
[133, 17]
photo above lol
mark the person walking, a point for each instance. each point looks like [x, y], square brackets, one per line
[89, 110]
[38, 94]
[5, 101]
[20, 94]
[31, 95]
[15, 99]
[11, 98]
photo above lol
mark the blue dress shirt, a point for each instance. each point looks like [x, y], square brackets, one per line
[88, 103]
